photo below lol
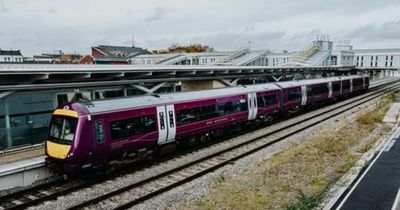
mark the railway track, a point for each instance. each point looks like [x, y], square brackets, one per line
[148, 188]
[165, 181]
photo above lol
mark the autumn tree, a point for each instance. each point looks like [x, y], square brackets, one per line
[191, 48]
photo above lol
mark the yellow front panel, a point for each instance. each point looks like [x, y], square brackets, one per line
[66, 112]
[59, 151]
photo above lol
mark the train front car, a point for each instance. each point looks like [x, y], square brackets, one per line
[64, 139]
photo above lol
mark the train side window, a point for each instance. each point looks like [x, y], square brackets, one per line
[357, 82]
[206, 112]
[346, 84]
[161, 116]
[195, 114]
[132, 126]
[99, 131]
[260, 101]
[336, 87]
[266, 100]
[294, 94]
[270, 100]
[171, 119]
[317, 90]
[310, 91]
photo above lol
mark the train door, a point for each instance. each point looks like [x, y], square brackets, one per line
[303, 95]
[351, 85]
[101, 148]
[363, 82]
[166, 124]
[341, 87]
[330, 89]
[252, 105]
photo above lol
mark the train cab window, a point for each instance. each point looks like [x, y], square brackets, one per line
[62, 129]
[132, 126]
[294, 94]
[99, 131]
[335, 87]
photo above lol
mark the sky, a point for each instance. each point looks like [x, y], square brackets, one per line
[43, 26]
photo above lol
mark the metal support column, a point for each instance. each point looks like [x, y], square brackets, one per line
[7, 122]
[3, 95]
[125, 92]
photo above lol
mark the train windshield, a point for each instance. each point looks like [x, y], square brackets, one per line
[62, 129]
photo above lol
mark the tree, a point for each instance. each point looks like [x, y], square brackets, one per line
[191, 48]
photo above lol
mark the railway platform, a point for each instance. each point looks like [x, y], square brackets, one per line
[23, 172]
[22, 168]
[378, 186]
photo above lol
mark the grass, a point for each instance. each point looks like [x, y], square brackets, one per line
[379, 113]
[298, 177]
[305, 202]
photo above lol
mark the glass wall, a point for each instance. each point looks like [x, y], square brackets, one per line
[28, 117]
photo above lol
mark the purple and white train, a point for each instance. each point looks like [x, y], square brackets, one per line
[87, 135]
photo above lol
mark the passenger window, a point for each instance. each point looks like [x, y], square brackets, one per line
[270, 100]
[162, 125]
[336, 87]
[294, 94]
[132, 126]
[260, 101]
[206, 112]
[171, 119]
[266, 100]
[99, 131]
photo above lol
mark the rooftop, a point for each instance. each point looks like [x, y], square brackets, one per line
[387, 50]
[10, 52]
[121, 51]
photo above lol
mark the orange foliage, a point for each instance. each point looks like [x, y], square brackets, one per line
[192, 48]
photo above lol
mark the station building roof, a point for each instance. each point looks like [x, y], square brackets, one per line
[10, 52]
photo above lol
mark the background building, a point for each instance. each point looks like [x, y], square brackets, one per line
[320, 52]
[10, 56]
[104, 54]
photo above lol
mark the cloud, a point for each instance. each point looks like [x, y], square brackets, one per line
[223, 24]
[372, 32]
[157, 14]
[225, 40]
[4, 9]
[250, 28]
[52, 10]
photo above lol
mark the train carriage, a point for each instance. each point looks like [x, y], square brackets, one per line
[87, 135]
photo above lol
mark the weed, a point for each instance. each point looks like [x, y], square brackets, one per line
[304, 203]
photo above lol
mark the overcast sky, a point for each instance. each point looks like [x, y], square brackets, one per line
[36, 26]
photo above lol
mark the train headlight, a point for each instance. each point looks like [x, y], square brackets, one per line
[70, 154]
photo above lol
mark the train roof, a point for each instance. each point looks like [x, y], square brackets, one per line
[100, 106]
[143, 101]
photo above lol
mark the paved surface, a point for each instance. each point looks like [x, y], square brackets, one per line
[21, 165]
[21, 155]
[379, 186]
